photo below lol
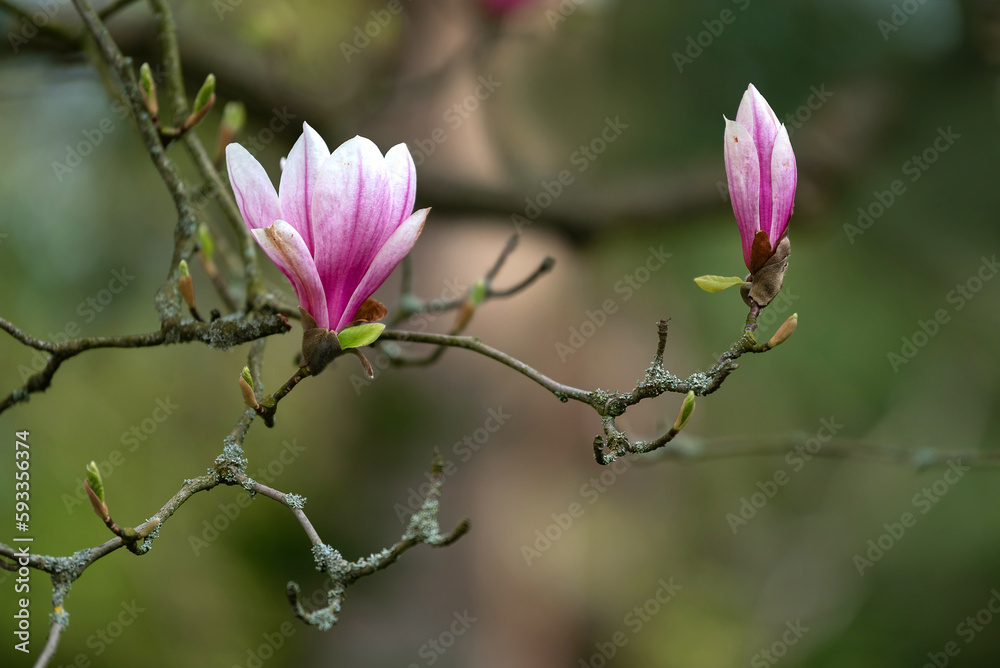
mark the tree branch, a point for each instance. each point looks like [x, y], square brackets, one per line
[220, 334]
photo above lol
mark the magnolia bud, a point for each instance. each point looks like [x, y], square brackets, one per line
[203, 102]
[206, 94]
[148, 87]
[149, 527]
[245, 374]
[478, 293]
[685, 413]
[95, 490]
[185, 284]
[206, 242]
[94, 478]
[234, 116]
[476, 297]
[784, 331]
[246, 387]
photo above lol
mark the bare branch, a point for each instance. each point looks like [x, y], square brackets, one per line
[221, 334]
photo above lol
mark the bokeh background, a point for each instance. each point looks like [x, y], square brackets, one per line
[864, 86]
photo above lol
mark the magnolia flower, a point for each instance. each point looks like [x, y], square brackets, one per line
[339, 223]
[760, 166]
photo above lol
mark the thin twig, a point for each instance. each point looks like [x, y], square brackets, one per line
[168, 297]
[51, 644]
[562, 391]
[282, 498]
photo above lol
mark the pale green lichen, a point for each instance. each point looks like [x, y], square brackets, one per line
[61, 618]
[329, 560]
[232, 457]
[323, 619]
[372, 560]
[249, 484]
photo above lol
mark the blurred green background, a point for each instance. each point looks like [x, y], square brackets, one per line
[864, 86]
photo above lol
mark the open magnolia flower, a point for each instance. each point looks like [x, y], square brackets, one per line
[338, 225]
[760, 167]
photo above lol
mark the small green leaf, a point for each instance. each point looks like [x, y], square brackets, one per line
[360, 335]
[713, 283]
[183, 267]
[94, 478]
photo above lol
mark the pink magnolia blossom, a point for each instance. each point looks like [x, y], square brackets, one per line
[339, 223]
[760, 166]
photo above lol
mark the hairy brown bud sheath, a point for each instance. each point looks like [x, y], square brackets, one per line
[785, 331]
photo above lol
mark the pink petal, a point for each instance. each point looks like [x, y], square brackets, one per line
[350, 212]
[298, 179]
[403, 177]
[286, 248]
[756, 115]
[391, 254]
[254, 191]
[783, 181]
[743, 173]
